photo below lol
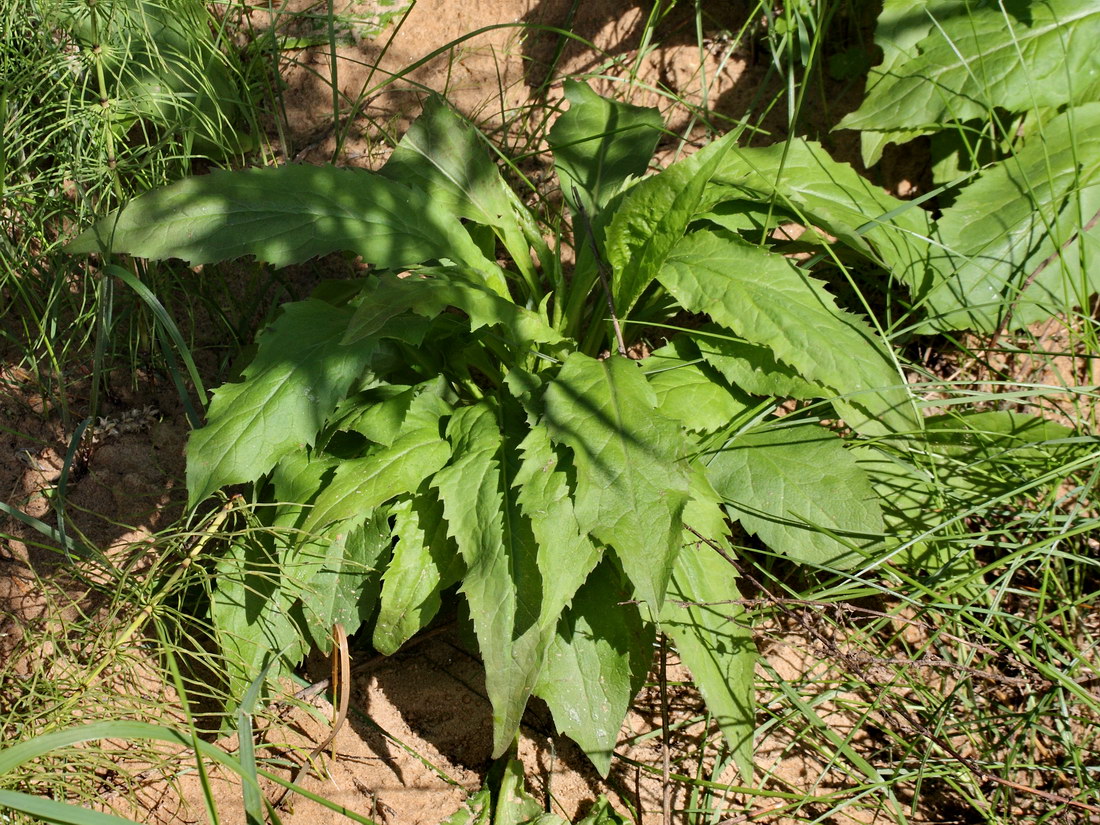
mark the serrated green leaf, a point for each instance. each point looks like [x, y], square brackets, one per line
[1016, 215]
[284, 215]
[710, 630]
[502, 582]
[754, 368]
[801, 176]
[600, 143]
[791, 484]
[630, 483]
[359, 485]
[299, 374]
[653, 216]
[763, 297]
[433, 290]
[425, 562]
[689, 391]
[596, 665]
[381, 414]
[1013, 55]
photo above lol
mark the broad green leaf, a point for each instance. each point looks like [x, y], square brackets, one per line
[790, 485]
[345, 588]
[801, 176]
[652, 218]
[251, 614]
[430, 292]
[1018, 214]
[763, 297]
[502, 583]
[711, 631]
[596, 665]
[361, 484]
[901, 25]
[754, 368]
[425, 562]
[285, 215]
[447, 158]
[688, 390]
[299, 374]
[599, 143]
[630, 483]
[1013, 55]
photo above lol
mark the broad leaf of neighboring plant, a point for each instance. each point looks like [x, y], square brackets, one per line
[711, 631]
[447, 159]
[600, 143]
[901, 25]
[763, 297]
[631, 486]
[801, 492]
[596, 665]
[1021, 213]
[299, 374]
[800, 175]
[289, 214]
[1013, 55]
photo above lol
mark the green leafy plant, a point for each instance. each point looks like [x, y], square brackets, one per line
[1007, 92]
[466, 414]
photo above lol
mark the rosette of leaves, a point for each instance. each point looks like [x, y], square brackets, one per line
[1007, 94]
[462, 415]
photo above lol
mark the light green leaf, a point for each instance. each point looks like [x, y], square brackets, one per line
[361, 484]
[631, 485]
[596, 665]
[566, 553]
[689, 391]
[433, 290]
[381, 414]
[425, 562]
[791, 484]
[712, 632]
[599, 143]
[900, 26]
[299, 374]
[284, 215]
[1016, 215]
[763, 297]
[447, 158]
[1014, 56]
